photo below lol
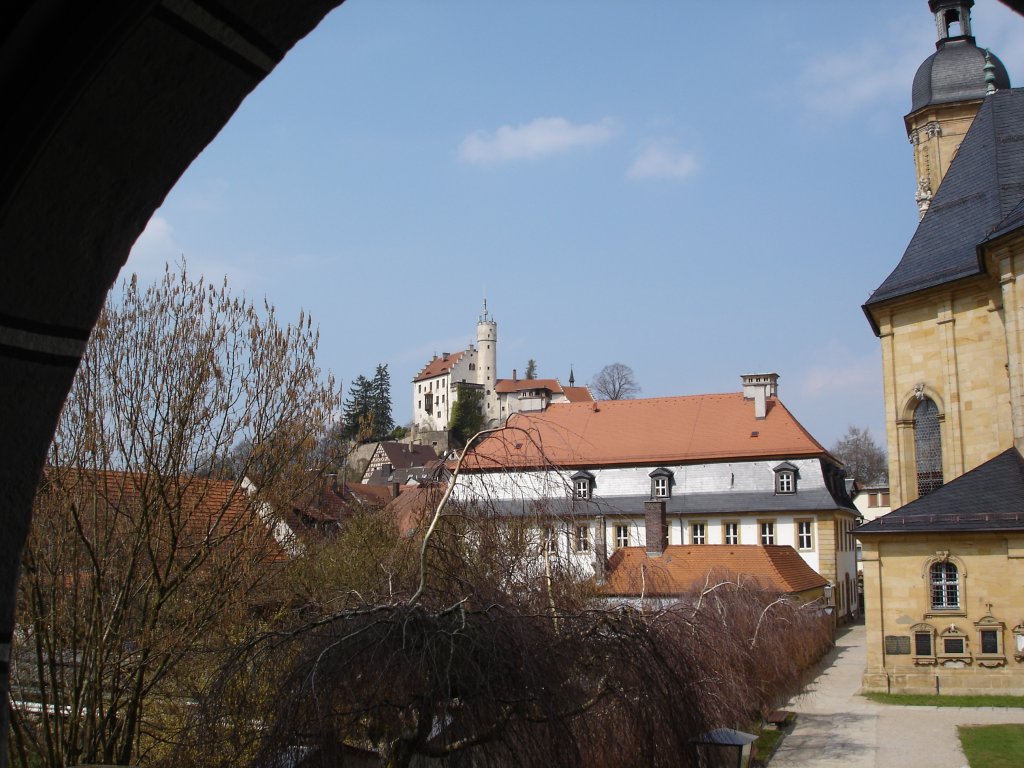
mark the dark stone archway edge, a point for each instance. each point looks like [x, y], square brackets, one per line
[105, 105]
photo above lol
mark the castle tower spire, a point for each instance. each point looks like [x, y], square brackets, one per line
[487, 361]
[948, 89]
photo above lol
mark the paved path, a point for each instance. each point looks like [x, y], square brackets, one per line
[836, 727]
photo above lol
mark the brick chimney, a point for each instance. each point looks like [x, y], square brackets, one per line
[759, 387]
[514, 376]
[600, 551]
[656, 527]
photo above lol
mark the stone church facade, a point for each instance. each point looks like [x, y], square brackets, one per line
[944, 571]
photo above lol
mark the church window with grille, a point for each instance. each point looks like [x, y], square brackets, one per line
[945, 586]
[927, 447]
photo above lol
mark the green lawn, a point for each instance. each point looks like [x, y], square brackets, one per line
[993, 746]
[912, 700]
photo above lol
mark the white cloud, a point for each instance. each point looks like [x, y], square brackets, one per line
[877, 69]
[538, 138]
[660, 160]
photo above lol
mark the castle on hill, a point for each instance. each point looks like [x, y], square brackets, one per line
[436, 388]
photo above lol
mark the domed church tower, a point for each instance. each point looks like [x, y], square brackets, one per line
[948, 89]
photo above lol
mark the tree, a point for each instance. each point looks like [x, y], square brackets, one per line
[380, 403]
[467, 414]
[615, 382]
[531, 369]
[358, 411]
[497, 653]
[148, 545]
[865, 459]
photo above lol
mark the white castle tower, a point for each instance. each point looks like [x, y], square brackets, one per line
[487, 361]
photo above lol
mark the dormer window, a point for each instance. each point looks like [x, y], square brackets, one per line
[661, 483]
[583, 485]
[785, 477]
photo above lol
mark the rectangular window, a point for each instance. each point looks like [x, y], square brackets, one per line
[731, 533]
[660, 487]
[989, 641]
[953, 645]
[922, 643]
[804, 534]
[582, 488]
[698, 533]
[582, 538]
[767, 532]
[621, 536]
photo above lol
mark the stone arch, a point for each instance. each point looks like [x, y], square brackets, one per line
[105, 106]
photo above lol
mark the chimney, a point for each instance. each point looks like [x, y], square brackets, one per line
[394, 490]
[514, 376]
[656, 527]
[759, 387]
[600, 551]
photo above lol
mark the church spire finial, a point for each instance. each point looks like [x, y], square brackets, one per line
[572, 377]
[483, 317]
[990, 73]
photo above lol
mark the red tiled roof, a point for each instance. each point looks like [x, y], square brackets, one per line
[578, 394]
[201, 506]
[439, 365]
[631, 571]
[413, 506]
[518, 385]
[665, 430]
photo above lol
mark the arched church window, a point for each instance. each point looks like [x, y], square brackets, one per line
[927, 446]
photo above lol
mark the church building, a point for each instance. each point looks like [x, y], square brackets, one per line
[944, 571]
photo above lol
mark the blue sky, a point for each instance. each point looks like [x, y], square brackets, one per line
[696, 190]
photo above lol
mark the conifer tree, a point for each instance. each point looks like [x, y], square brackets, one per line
[531, 369]
[380, 403]
[358, 414]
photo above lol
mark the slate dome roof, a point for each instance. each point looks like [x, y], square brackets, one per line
[955, 72]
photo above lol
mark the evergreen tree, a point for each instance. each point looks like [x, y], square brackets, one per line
[467, 415]
[531, 369]
[358, 414]
[380, 403]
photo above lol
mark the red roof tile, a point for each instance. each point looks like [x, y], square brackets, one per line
[578, 394]
[439, 365]
[518, 385]
[633, 572]
[664, 430]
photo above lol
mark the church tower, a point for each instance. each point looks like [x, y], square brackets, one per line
[487, 361]
[948, 89]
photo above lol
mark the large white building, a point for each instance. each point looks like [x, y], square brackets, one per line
[733, 469]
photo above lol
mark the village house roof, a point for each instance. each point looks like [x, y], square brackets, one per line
[504, 386]
[979, 195]
[405, 455]
[439, 365]
[203, 506]
[632, 571]
[573, 394]
[666, 430]
[578, 394]
[988, 498]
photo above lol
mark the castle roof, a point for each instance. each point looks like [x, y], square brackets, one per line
[439, 365]
[667, 430]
